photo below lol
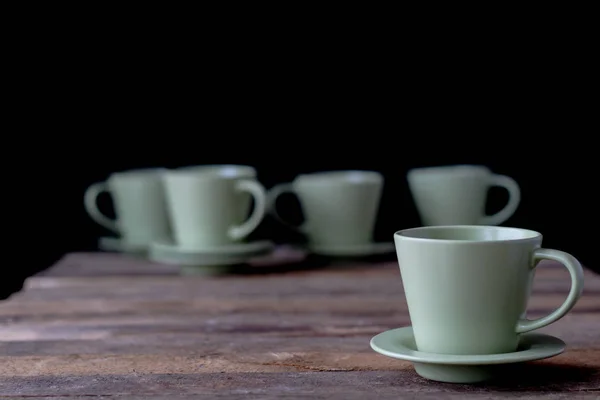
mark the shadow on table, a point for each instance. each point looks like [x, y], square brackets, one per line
[540, 377]
[353, 262]
[308, 263]
[284, 259]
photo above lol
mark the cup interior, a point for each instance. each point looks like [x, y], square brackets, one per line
[467, 233]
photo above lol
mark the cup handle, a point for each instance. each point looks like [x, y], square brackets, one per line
[258, 213]
[514, 198]
[576, 272]
[91, 206]
[272, 196]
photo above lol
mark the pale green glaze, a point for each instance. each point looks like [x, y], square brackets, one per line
[205, 206]
[244, 199]
[456, 195]
[340, 207]
[139, 204]
[467, 286]
[400, 343]
[204, 259]
[118, 245]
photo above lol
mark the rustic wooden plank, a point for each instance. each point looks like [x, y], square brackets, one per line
[171, 295]
[199, 303]
[160, 335]
[537, 380]
[237, 362]
[284, 258]
[378, 275]
[383, 278]
[338, 394]
[108, 264]
[145, 327]
[297, 334]
[320, 396]
[99, 263]
[199, 340]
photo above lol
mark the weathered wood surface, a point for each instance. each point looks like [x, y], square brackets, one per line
[284, 258]
[142, 331]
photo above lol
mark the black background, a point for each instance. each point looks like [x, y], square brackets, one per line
[85, 107]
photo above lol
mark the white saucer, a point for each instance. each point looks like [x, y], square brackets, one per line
[367, 249]
[210, 259]
[400, 343]
[114, 244]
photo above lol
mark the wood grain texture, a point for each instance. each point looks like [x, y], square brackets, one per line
[133, 329]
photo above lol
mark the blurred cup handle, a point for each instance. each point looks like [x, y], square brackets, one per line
[90, 202]
[258, 213]
[514, 198]
[272, 197]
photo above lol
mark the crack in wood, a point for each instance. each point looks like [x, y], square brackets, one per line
[310, 368]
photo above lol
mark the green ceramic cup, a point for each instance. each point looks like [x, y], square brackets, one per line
[139, 203]
[205, 205]
[339, 207]
[467, 287]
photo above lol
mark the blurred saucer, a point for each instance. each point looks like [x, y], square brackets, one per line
[400, 343]
[169, 253]
[363, 250]
[118, 245]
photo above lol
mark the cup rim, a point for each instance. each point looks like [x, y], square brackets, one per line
[453, 169]
[511, 234]
[341, 176]
[217, 167]
[137, 172]
[210, 173]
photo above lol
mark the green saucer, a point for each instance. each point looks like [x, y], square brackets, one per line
[208, 261]
[400, 343]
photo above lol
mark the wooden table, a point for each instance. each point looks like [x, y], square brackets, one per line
[101, 324]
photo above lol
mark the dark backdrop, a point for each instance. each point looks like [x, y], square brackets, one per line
[83, 110]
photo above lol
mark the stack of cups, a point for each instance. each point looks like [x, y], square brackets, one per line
[195, 210]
